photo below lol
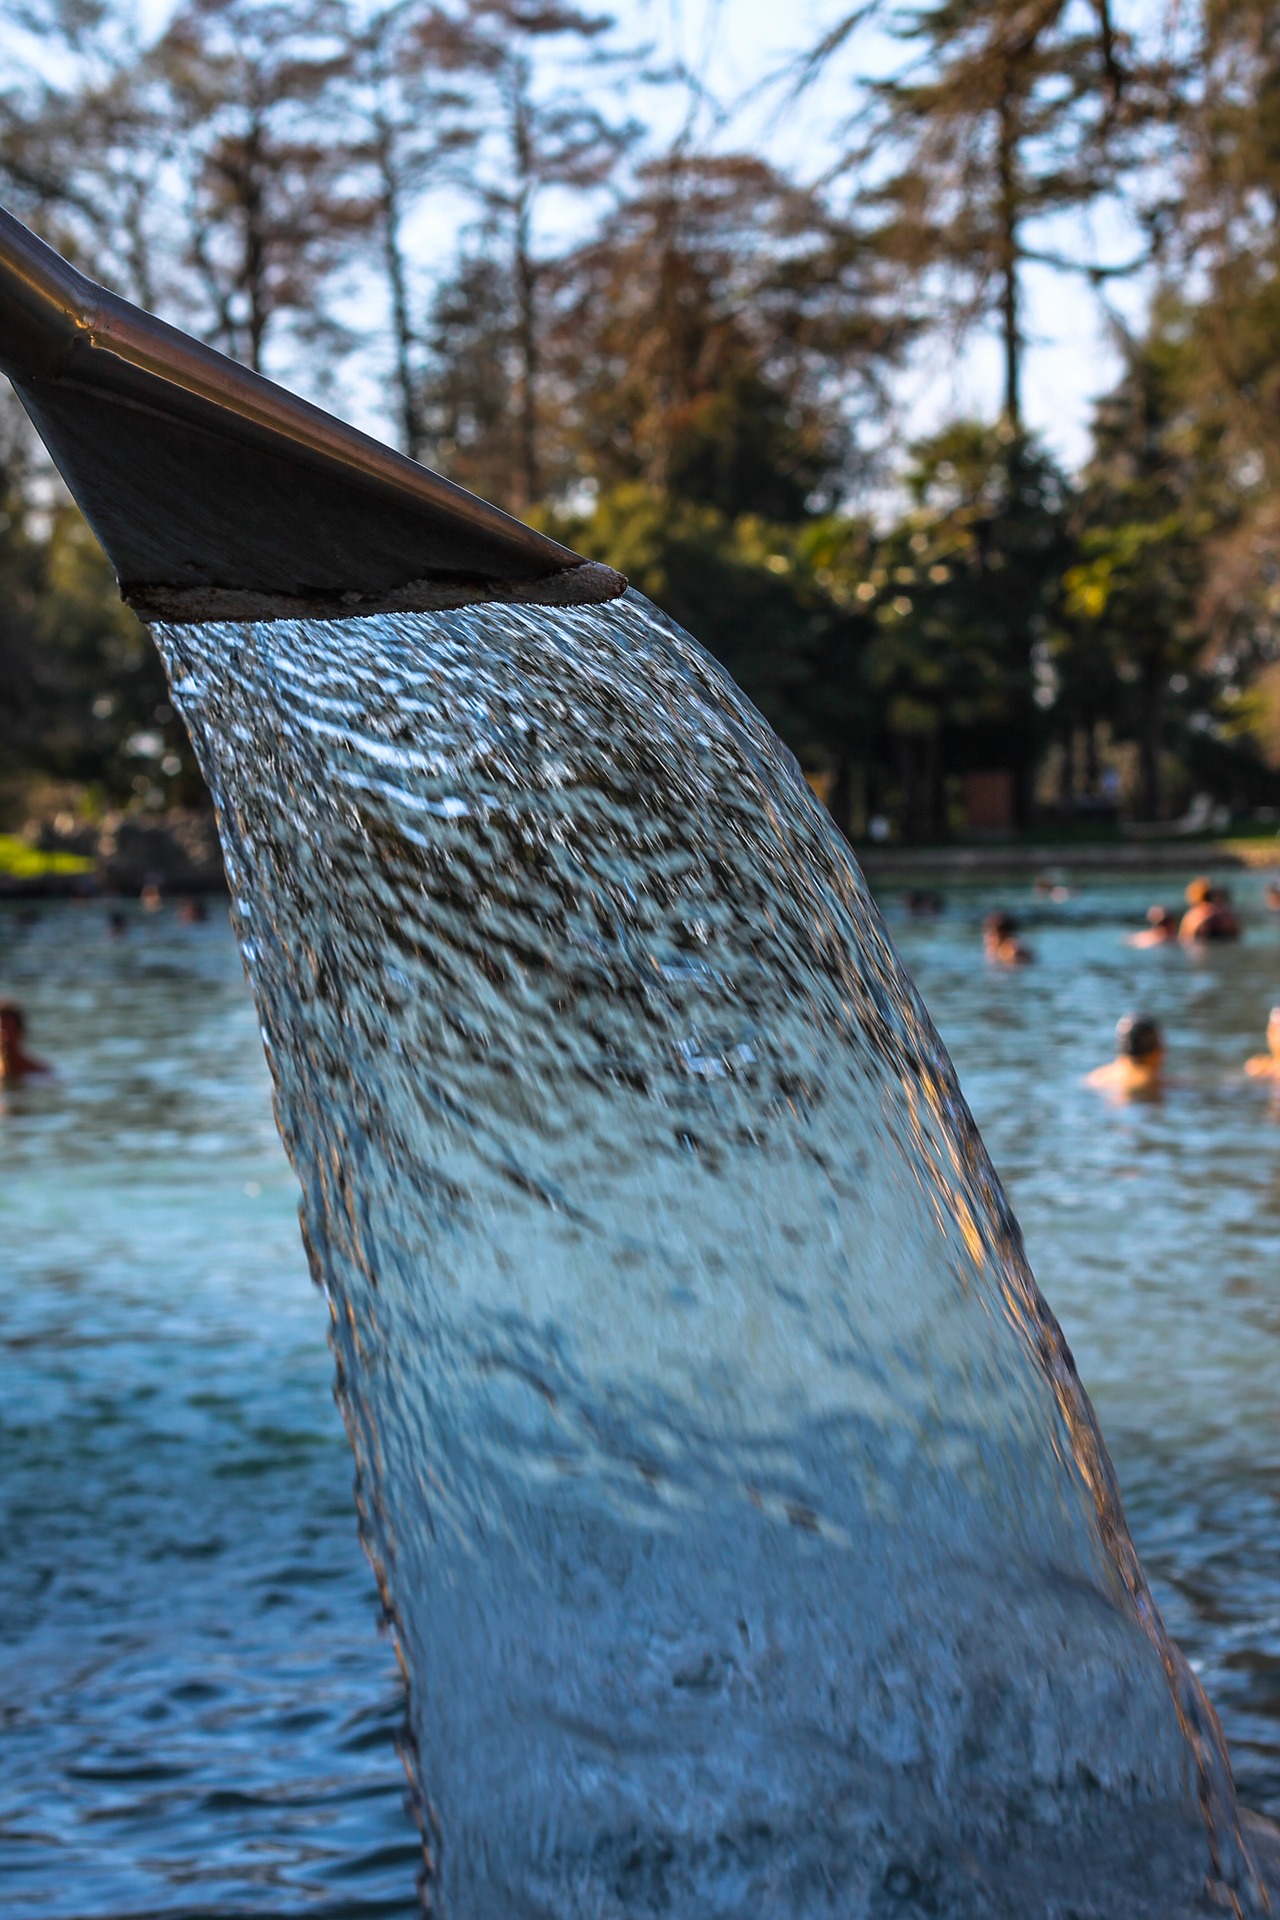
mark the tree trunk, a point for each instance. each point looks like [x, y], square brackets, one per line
[936, 789]
[254, 255]
[1067, 779]
[1010, 318]
[1092, 772]
[411, 423]
[526, 290]
[527, 346]
[1150, 740]
[907, 778]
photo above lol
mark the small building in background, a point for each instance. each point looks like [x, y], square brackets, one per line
[988, 800]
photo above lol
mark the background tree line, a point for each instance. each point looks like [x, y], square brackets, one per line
[682, 358]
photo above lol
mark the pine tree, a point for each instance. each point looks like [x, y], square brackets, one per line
[544, 133]
[1008, 113]
[713, 337]
[407, 87]
[271, 204]
[964, 591]
[1147, 517]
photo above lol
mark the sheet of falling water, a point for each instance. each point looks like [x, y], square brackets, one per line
[749, 1540]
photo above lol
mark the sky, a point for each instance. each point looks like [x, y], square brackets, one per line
[733, 46]
[735, 49]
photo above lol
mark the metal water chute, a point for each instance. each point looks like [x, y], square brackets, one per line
[218, 495]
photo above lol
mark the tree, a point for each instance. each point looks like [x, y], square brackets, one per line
[964, 591]
[81, 685]
[78, 154]
[473, 379]
[19, 594]
[1225, 237]
[1004, 116]
[1009, 113]
[407, 88]
[1147, 518]
[271, 206]
[544, 134]
[709, 335]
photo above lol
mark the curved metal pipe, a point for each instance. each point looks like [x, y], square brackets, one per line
[219, 495]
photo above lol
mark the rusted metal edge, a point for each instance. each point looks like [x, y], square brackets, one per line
[589, 584]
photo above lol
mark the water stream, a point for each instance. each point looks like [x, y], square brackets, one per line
[748, 1538]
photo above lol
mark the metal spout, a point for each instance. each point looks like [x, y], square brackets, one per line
[218, 495]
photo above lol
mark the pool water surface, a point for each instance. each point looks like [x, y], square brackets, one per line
[199, 1711]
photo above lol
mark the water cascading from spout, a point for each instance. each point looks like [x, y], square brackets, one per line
[750, 1544]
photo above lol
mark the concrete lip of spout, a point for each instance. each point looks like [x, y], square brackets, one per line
[875, 1639]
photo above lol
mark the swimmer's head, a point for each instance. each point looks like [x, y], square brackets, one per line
[1273, 1030]
[1199, 892]
[13, 1023]
[1138, 1038]
[999, 926]
[1162, 917]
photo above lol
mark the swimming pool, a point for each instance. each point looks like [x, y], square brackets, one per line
[199, 1712]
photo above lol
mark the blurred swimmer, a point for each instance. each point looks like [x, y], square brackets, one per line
[16, 1064]
[1266, 1066]
[1000, 941]
[1272, 896]
[920, 905]
[1209, 915]
[1161, 929]
[1138, 1067]
[191, 912]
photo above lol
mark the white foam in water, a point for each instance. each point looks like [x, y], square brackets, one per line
[751, 1547]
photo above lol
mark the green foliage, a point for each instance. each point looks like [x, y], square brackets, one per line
[969, 581]
[704, 346]
[18, 861]
[1133, 594]
[82, 693]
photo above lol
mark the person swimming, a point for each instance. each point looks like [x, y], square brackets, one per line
[16, 1064]
[1000, 941]
[1045, 887]
[1266, 1066]
[922, 905]
[1209, 915]
[1161, 929]
[1271, 895]
[1138, 1067]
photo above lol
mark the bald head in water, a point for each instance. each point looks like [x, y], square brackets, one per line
[1138, 1067]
